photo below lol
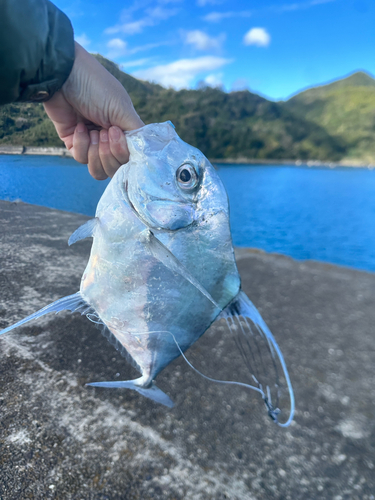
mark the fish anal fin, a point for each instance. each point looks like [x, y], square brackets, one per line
[84, 231]
[152, 392]
[113, 340]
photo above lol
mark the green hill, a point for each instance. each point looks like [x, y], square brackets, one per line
[345, 109]
[239, 124]
[28, 125]
[311, 125]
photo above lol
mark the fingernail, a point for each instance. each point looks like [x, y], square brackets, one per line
[81, 127]
[94, 138]
[104, 136]
[114, 134]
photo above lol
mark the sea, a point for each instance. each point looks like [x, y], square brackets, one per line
[325, 214]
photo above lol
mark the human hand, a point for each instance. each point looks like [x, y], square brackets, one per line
[90, 113]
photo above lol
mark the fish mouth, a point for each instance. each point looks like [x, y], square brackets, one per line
[153, 205]
[146, 198]
[160, 213]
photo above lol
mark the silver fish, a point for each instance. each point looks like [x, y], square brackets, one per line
[162, 268]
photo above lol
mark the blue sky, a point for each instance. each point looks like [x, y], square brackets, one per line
[271, 47]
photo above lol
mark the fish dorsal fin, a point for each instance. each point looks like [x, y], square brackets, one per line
[262, 355]
[166, 257]
[73, 303]
[84, 231]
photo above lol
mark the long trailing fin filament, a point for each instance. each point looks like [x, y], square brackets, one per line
[273, 411]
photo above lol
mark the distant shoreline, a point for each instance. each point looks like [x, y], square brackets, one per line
[298, 163]
[34, 150]
[65, 153]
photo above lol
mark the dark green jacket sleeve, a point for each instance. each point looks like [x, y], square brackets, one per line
[36, 50]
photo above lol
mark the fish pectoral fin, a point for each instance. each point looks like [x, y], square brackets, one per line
[262, 356]
[71, 303]
[84, 231]
[151, 392]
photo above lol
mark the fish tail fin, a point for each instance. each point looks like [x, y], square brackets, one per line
[71, 303]
[151, 392]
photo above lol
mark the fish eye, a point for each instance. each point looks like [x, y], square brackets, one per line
[187, 176]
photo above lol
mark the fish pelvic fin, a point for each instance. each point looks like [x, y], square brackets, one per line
[73, 303]
[84, 231]
[151, 392]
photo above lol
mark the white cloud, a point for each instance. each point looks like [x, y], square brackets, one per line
[83, 40]
[116, 43]
[134, 27]
[214, 80]
[301, 5]
[117, 48]
[203, 3]
[201, 41]
[181, 73]
[320, 2]
[135, 63]
[147, 46]
[160, 13]
[257, 36]
[131, 27]
[215, 17]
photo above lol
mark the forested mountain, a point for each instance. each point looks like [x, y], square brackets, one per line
[345, 109]
[325, 123]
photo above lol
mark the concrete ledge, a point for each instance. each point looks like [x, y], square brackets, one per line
[31, 150]
[11, 150]
[62, 440]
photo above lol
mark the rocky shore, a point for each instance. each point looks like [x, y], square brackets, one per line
[62, 440]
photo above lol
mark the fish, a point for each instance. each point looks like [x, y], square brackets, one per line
[162, 269]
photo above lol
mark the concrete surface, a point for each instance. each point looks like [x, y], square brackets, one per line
[62, 440]
[34, 150]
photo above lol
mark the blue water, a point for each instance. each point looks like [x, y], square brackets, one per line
[50, 181]
[307, 213]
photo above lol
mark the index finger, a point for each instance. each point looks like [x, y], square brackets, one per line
[118, 145]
